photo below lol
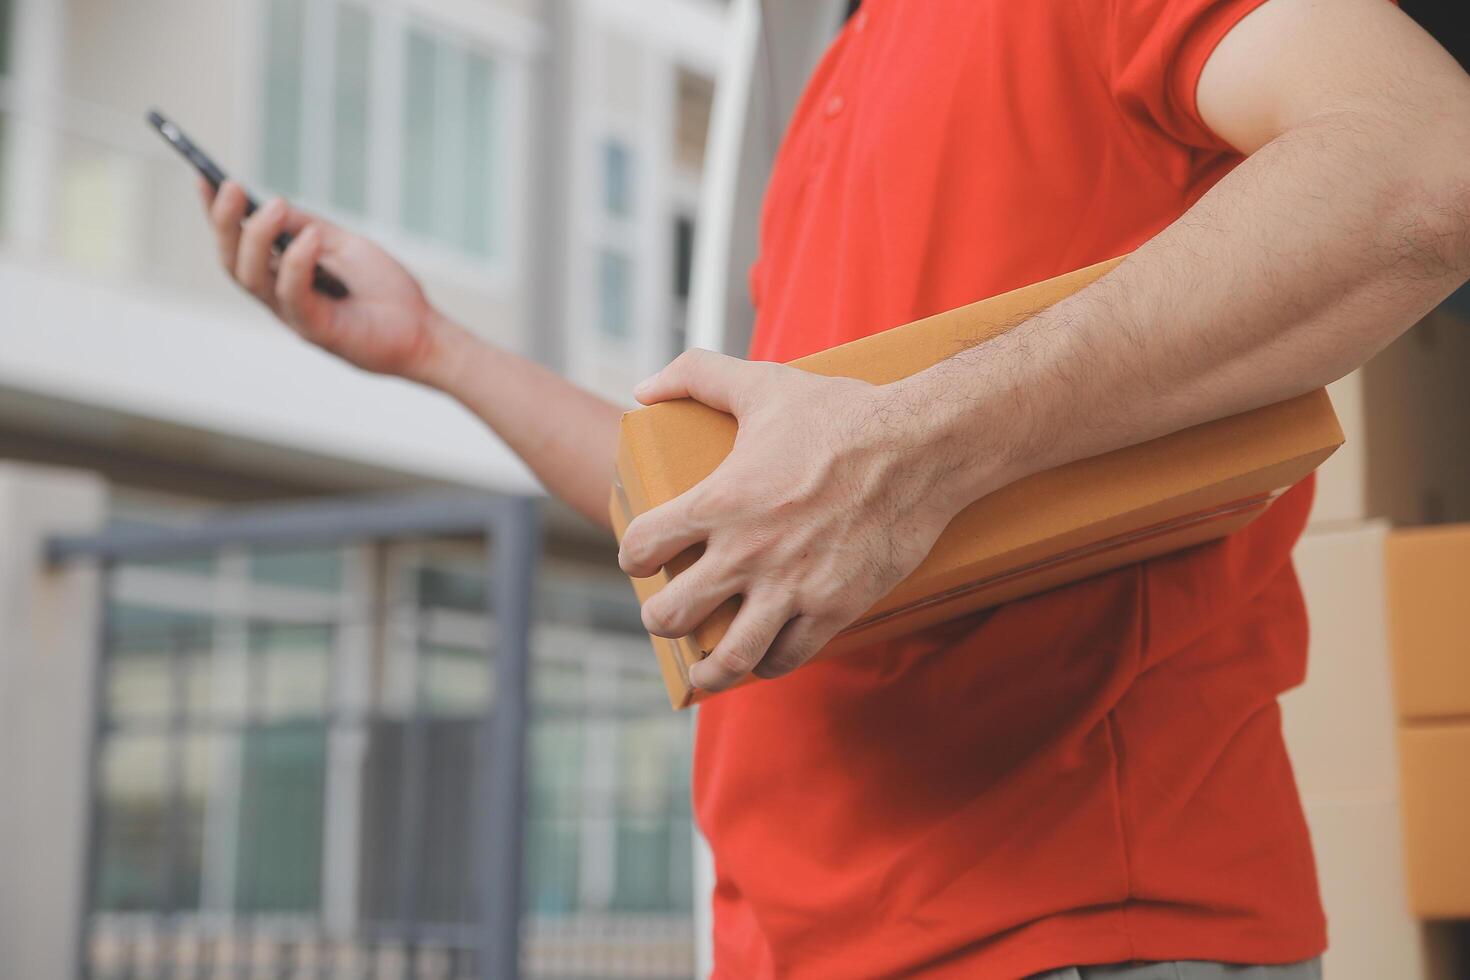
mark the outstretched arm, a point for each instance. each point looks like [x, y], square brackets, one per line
[1349, 221]
[568, 436]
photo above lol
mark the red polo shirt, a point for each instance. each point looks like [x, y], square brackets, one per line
[1092, 775]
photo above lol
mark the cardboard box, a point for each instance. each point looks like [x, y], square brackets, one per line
[1041, 532]
[1429, 620]
[1435, 766]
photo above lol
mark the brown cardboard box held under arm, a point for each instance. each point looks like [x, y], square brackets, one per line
[1041, 532]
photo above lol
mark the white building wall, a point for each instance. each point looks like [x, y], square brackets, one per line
[48, 637]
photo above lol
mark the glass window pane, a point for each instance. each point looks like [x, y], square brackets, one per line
[380, 854]
[617, 178]
[683, 255]
[480, 158]
[133, 825]
[452, 585]
[282, 788]
[294, 661]
[5, 13]
[614, 279]
[695, 99]
[447, 823]
[554, 817]
[350, 118]
[199, 753]
[644, 817]
[143, 645]
[455, 681]
[285, 21]
[317, 569]
[138, 684]
[419, 98]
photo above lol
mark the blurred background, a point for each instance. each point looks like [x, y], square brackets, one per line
[286, 762]
[296, 677]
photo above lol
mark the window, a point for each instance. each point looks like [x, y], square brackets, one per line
[5, 14]
[614, 265]
[614, 287]
[351, 88]
[682, 273]
[694, 98]
[683, 255]
[284, 96]
[617, 178]
[441, 95]
[448, 110]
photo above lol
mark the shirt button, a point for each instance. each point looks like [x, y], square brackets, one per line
[835, 106]
[860, 20]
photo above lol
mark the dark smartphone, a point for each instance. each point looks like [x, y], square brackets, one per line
[322, 280]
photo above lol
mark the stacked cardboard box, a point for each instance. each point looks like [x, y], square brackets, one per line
[1429, 626]
[1048, 530]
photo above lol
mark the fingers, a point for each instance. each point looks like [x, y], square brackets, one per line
[297, 301]
[713, 379]
[756, 624]
[798, 641]
[253, 260]
[657, 536]
[226, 211]
[691, 598]
[297, 220]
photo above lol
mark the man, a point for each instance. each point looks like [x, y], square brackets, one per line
[1091, 776]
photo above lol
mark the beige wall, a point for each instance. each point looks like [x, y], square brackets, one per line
[1407, 423]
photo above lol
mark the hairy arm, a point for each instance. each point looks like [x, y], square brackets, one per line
[1349, 220]
[1347, 223]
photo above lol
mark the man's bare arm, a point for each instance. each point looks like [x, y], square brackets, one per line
[1348, 222]
[567, 435]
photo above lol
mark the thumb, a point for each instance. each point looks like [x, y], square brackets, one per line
[716, 380]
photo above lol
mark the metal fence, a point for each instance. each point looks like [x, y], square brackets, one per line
[373, 739]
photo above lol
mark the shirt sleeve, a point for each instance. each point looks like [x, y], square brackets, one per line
[1152, 54]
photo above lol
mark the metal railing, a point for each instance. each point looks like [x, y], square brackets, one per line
[324, 767]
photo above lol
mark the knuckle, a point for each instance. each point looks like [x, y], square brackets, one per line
[659, 618]
[740, 657]
[251, 277]
[637, 545]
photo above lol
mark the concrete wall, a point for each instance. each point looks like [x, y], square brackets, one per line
[48, 641]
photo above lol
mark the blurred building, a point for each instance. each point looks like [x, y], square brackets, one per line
[284, 739]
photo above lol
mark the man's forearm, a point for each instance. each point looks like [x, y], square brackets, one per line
[565, 434]
[1296, 268]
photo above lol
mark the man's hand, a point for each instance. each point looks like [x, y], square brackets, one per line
[834, 492]
[566, 435]
[385, 326]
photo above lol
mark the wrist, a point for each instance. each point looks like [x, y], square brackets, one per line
[446, 347]
[968, 439]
